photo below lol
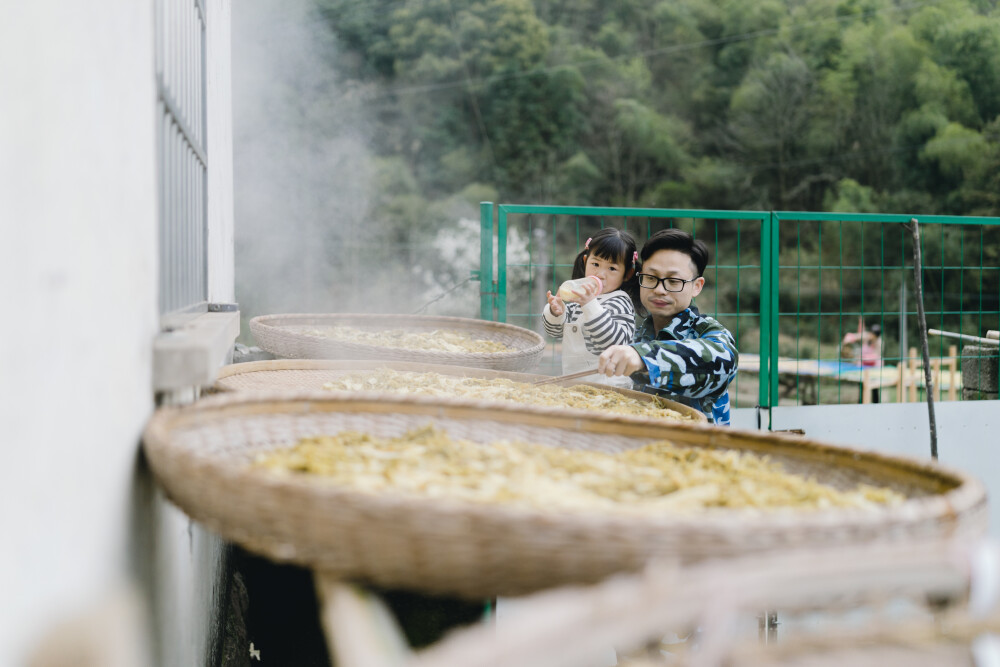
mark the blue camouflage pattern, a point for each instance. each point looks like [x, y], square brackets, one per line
[693, 358]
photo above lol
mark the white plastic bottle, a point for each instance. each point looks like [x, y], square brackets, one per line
[572, 290]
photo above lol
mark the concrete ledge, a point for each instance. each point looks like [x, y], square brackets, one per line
[190, 356]
[979, 368]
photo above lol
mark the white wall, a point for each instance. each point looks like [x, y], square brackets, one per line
[78, 278]
[78, 258]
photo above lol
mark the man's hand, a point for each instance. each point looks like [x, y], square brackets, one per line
[620, 360]
[556, 305]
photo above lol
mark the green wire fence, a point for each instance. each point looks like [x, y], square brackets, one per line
[791, 287]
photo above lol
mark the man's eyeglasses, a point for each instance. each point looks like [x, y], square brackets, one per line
[649, 281]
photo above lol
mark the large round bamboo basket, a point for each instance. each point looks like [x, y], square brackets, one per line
[283, 336]
[918, 646]
[312, 374]
[201, 456]
[934, 613]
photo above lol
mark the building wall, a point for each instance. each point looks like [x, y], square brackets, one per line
[85, 537]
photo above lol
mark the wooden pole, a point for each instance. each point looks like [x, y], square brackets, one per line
[952, 372]
[971, 339]
[360, 630]
[924, 347]
[900, 383]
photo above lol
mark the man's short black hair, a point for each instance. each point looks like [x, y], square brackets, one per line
[679, 240]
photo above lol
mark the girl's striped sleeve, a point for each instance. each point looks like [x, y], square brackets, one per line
[607, 323]
[553, 325]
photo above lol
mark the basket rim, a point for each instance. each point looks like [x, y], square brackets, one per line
[353, 366]
[270, 323]
[960, 492]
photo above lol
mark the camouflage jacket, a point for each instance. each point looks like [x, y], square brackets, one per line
[691, 360]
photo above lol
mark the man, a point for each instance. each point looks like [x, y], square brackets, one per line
[677, 352]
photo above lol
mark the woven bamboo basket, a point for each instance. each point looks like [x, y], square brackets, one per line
[966, 643]
[954, 637]
[312, 374]
[566, 626]
[201, 456]
[283, 336]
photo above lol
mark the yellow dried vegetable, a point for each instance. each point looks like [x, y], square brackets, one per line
[438, 341]
[500, 389]
[657, 477]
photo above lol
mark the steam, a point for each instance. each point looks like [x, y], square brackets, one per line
[305, 180]
[458, 248]
[301, 166]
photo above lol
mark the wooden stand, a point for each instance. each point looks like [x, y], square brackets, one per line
[360, 630]
[911, 372]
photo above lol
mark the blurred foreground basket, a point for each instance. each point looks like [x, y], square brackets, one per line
[953, 617]
[285, 336]
[201, 456]
[312, 374]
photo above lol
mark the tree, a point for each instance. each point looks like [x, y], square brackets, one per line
[769, 115]
[533, 123]
[969, 44]
[771, 104]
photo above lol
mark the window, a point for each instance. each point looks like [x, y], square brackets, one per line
[183, 162]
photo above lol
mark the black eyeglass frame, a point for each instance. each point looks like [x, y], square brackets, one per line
[663, 281]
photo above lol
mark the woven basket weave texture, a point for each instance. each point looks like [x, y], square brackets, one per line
[312, 374]
[201, 456]
[283, 336]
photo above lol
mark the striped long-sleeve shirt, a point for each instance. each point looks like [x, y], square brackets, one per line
[604, 321]
[694, 357]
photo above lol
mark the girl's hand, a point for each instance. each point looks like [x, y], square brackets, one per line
[580, 293]
[590, 290]
[620, 360]
[556, 305]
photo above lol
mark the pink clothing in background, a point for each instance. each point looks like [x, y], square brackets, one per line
[871, 348]
[871, 352]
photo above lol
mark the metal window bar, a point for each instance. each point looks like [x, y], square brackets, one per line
[181, 120]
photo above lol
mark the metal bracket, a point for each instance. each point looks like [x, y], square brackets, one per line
[767, 627]
[223, 307]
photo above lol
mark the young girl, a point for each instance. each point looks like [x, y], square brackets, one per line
[589, 322]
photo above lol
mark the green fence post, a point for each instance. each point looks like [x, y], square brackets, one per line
[765, 313]
[501, 293]
[774, 311]
[485, 273]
